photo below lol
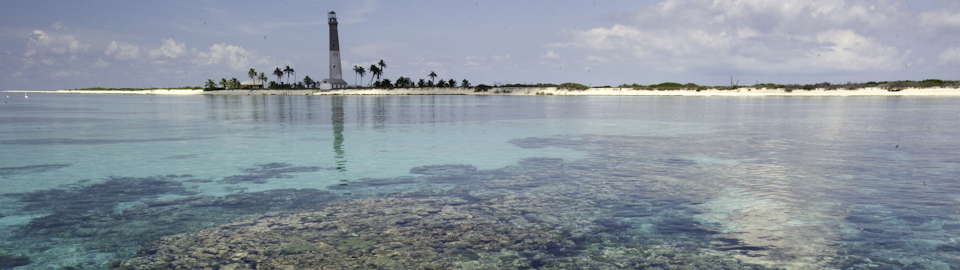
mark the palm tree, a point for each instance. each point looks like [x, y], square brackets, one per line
[223, 81]
[356, 69]
[252, 74]
[288, 71]
[278, 73]
[382, 65]
[234, 83]
[432, 76]
[375, 72]
[262, 78]
[210, 84]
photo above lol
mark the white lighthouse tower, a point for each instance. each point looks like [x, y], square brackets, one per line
[336, 74]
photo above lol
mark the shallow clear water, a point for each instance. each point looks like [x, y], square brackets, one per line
[795, 182]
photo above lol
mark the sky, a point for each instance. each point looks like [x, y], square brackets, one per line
[51, 45]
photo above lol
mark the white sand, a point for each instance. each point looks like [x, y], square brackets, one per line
[523, 91]
[137, 92]
[132, 92]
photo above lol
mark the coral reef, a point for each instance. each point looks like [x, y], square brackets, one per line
[449, 169]
[542, 213]
[262, 173]
[7, 171]
[420, 233]
[118, 215]
[11, 261]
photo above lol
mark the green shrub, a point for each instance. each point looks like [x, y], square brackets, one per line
[573, 86]
[666, 85]
[482, 88]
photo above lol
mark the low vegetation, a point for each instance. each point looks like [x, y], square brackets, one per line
[573, 86]
[888, 85]
[136, 89]
[664, 86]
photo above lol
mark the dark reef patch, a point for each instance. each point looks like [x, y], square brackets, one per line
[261, 173]
[534, 142]
[99, 197]
[541, 162]
[182, 156]
[376, 182]
[107, 230]
[10, 261]
[199, 181]
[448, 169]
[5, 171]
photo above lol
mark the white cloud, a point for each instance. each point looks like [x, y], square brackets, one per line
[938, 19]
[472, 60]
[170, 48]
[41, 42]
[236, 57]
[424, 62]
[790, 36]
[847, 50]
[122, 50]
[551, 55]
[595, 58]
[101, 64]
[950, 55]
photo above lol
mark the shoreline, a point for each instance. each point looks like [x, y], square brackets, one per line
[531, 91]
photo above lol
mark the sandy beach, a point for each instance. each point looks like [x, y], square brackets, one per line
[528, 91]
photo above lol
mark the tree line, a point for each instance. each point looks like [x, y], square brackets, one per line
[261, 77]
[376, 80]
[376, 72]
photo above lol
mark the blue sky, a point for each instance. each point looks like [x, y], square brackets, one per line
[48, 45]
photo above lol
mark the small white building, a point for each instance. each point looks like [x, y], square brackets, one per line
[251, 84]
[325, 84]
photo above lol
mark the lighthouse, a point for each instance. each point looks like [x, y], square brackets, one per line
[336, 73]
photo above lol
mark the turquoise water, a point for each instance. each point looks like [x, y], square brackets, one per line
[794, 182]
